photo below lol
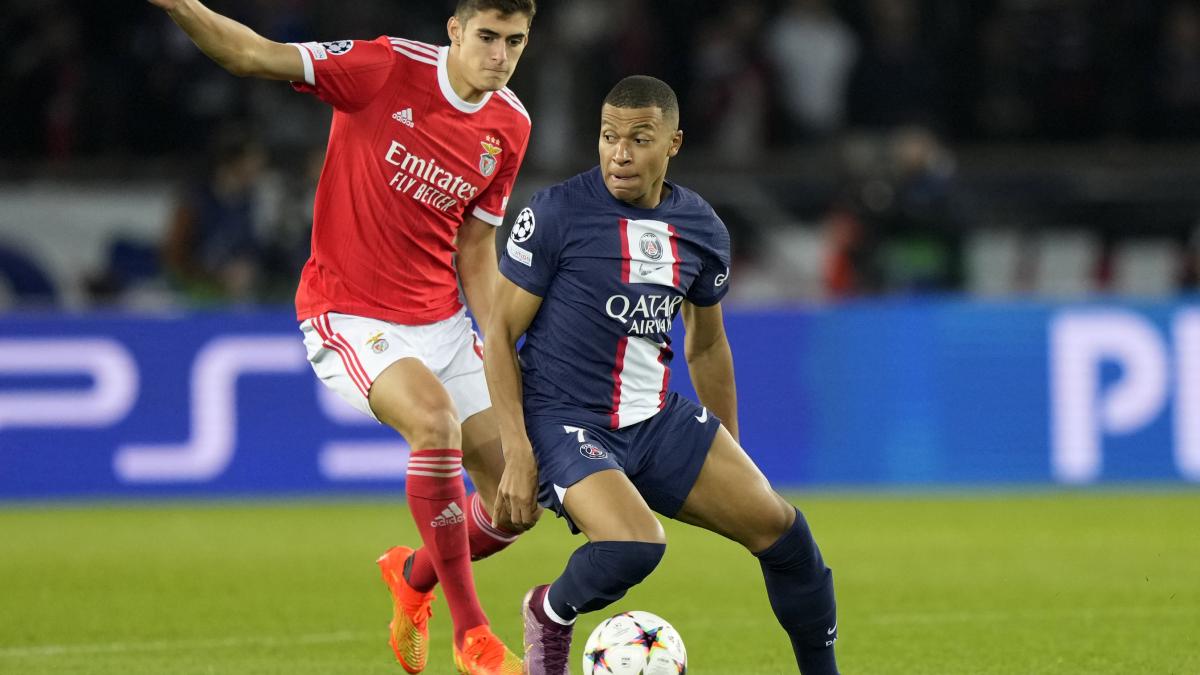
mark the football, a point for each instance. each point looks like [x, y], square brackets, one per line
[634, 643]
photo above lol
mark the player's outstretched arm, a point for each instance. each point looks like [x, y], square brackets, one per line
[710, 361]
[233, 46]
[477, 267]
[513, 309]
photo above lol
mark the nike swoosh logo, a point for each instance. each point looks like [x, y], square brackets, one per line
[703, 417]
[831, 630]
[644, 271]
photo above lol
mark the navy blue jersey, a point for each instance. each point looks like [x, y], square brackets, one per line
[612, 277]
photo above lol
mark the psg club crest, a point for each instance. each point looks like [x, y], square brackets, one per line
[523, 226]
[592, 452]
[652, 248]
[487, 161]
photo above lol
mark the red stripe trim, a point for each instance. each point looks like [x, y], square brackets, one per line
[625, 253]
[662, 394]
[615, 417]
[674, 254]
[416, 46]
[514, 102]
[355, 362]
[327, 341]
[415, 57]
[478, 346]
[510, 95]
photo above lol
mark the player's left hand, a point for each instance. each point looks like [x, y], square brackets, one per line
[516, 496]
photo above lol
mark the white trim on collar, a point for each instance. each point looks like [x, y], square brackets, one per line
[448, 91]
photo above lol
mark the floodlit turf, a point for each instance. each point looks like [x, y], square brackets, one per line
[1086, 582]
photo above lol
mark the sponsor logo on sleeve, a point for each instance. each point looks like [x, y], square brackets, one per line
[521, 255]
[317, 50]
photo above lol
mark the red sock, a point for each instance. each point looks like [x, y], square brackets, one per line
[485, 538]
[436, 496]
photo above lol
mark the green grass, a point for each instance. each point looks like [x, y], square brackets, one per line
[1079, 582]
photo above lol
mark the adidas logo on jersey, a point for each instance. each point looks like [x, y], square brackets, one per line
[404, 117]
[451, 515]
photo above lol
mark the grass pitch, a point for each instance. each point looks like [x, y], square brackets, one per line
[1065, 582]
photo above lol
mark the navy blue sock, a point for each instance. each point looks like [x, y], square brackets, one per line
[800, 587]
[599, 573]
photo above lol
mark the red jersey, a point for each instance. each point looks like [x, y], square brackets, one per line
[407, 161]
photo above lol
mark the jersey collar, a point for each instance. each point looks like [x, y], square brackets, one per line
[448, 92]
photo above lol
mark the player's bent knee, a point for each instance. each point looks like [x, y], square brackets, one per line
[767, 525]
[429, 428]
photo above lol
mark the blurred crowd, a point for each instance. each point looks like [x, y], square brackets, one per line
[894, 85]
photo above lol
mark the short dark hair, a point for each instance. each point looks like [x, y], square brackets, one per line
[469, 8]
[643, 91]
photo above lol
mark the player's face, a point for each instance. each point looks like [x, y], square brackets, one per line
[485, 49]
[635, 146]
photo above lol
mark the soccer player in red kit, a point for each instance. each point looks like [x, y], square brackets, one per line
[423, 151]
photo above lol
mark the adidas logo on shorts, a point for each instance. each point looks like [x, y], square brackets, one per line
[451, 515]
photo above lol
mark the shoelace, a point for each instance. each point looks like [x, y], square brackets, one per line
[420, 612]
[478, 649]
[557, 650]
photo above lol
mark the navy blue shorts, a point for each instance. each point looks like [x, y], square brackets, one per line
[662, 456]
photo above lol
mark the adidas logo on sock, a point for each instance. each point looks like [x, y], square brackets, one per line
[451, 515]
[404, 117]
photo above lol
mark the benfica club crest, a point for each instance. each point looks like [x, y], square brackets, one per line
[488, 161]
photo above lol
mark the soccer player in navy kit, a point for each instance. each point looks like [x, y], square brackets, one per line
[595, 271]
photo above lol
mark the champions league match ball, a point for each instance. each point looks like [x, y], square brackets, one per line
[634, 643]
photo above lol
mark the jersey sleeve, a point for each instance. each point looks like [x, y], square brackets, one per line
[534, 246]
[346, 74]
[713, 281]
[491, 204]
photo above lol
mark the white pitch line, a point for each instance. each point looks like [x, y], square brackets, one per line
[1001, 615]
[178, 645]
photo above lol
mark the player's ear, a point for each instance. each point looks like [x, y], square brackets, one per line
[676, 143]
[454, 29]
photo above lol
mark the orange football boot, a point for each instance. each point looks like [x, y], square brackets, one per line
[483, 653]
[410, 612]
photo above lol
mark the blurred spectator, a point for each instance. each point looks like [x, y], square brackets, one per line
[1070, 94]
[731, 98]
[1005, 105]
[286, 243]
[44, 81]
[812, 50]
[896, 228]
[1176, 94]
[897, 79]
[211, 248]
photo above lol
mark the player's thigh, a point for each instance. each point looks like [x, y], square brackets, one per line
[408, 397]
[733, 498]
[605, 506]
[483, 455]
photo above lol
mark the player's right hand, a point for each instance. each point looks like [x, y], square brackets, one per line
[168, 5]
[516, 496]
